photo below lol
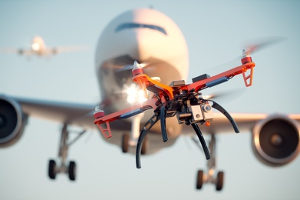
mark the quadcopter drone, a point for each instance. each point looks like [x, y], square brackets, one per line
[180, 99]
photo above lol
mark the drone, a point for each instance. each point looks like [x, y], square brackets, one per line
[180, 99]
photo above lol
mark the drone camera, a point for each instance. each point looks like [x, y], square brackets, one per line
[197, 113]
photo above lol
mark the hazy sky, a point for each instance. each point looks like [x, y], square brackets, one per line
[215, 31]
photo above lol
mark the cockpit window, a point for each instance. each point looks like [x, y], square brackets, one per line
[137, 25]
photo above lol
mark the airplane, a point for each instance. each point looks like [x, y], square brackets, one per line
[154, 40]
[39, 48]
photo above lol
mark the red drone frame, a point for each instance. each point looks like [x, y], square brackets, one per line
[183, 100]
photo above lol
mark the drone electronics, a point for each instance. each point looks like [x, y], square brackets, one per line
[180, 99]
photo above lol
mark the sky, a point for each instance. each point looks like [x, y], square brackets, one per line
[215, 33]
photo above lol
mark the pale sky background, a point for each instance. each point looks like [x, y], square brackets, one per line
[215, 31]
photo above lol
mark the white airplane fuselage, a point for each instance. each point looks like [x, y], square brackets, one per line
[38, 46]
[147, 36]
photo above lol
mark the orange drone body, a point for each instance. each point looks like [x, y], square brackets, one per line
[164, 93]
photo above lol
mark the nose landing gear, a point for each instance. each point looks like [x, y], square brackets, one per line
[131, 140]
[210, 177]
[70, 169]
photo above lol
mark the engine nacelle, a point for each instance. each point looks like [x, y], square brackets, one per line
[276, 140]
[12, 121]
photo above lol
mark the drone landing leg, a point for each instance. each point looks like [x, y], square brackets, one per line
[227, 115]
[202, 141]
[163, 123]
[144, 131]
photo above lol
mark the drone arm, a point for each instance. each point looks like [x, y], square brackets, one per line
[145, 81]
[222, 77]
[134, 110]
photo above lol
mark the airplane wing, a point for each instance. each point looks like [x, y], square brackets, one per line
[62, 112]
[82, 115]
[65, 49]
[245, 122]
[25, 52]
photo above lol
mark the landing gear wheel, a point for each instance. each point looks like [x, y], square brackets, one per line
[72, 171]
[125, 143]
[200, 179]
[220, 181]
[51, 169]
[144, 146]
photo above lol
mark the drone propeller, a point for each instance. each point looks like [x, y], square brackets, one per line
[259, 45]
[249, 48]
[131, 67]
[224, 94]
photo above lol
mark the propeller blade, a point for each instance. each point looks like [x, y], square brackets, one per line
[224, 94]
[249, 48]
[125, 68]
[147, 63]
[256, 46]
[130, 67]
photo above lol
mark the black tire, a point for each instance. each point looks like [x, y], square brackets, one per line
[220, 181]
[144, 146]
[200, 179]
[51, 169]
[72, 171]
[125, 143]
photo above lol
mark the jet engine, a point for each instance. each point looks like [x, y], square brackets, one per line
[276, 140]
[12, 121]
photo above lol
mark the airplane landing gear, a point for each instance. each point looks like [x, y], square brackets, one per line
[126, 144]
[72, 170]
[219, 180]
[210, 177]
[53, 167]
[131, 140]
[200, 179]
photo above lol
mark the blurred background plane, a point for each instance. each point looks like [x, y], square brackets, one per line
[211, 40]
[39, 48]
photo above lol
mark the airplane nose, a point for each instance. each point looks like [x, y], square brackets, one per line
[160, 55]
[152, 44]
[143, 35]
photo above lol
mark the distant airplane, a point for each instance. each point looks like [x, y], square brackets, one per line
[152, 38]
[39, 48]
